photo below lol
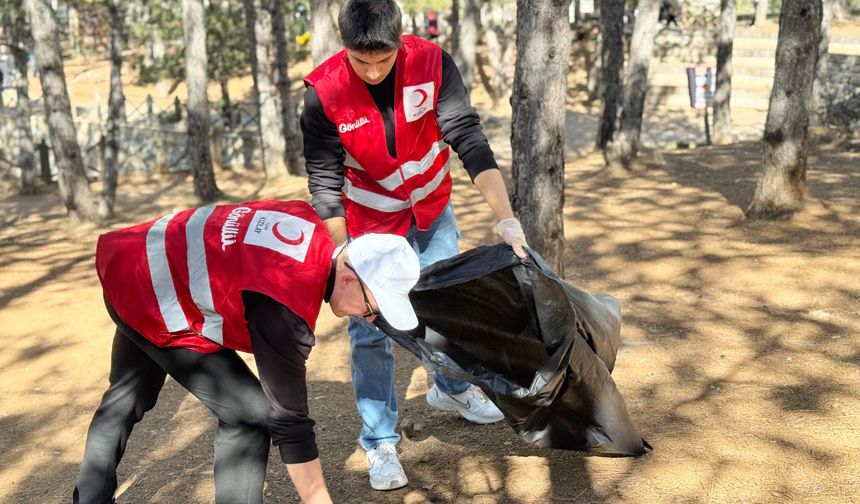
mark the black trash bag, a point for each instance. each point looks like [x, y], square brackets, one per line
[541, 349]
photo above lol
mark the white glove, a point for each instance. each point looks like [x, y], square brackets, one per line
[512, 233]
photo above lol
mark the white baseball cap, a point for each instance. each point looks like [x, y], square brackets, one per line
[388, 267]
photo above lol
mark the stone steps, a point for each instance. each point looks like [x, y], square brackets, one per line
[753, 84]
[673, 99]
[753, 62]
[742, 32]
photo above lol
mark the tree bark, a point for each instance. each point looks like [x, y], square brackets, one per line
[455, 26]
[594, 84]
[289, 115]
[537, 127]
[723, 91]
[761, 7]
[26, 151]
[73, 184]
[116, 113]
[819, 86]
[501, 42]
[194, 31]
[467, 44]
[840, 10]
[782, 185]
[325, 40]
[271, 123]
[625, 143]
[612, 56]
[228, 103]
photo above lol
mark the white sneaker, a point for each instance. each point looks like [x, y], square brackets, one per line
[383, 466]
[472, 405]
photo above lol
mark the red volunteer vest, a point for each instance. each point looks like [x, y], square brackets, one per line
[381, 194]
[178, 280]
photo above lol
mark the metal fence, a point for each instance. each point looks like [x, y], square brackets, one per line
[153, 136]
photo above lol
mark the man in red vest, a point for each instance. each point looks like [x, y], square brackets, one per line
[378, 122]
[189, 289]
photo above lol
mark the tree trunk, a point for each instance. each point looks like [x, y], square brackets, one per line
[116, 101]
[593, 84]
[612, 56]
[760, 12]
[325, 40]
[271, 124]
[723, 91]
[782, 184]
[194, 31]
[819, 86]
[500, 42]
[625, 143]
[26, 152]
[840, 10]
[227, 109]
[443, 26]
[289, 115]
[74, 187]
[503, 69]
[537, 126]
[464, 56]
[455, 26]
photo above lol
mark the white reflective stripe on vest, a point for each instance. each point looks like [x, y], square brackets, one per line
[162, 281]
[410, 169]
[198, 275]
[371, 199]
[422, 192]
[389, 204]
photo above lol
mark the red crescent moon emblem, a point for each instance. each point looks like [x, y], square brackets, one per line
[288, 241]
[421, 93]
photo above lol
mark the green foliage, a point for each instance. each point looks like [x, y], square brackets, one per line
[10, 8]
[150, 26]
[227, 40]
[744, 7]
[298, 15]
[297, 23]
[416, 6]
[159, 23]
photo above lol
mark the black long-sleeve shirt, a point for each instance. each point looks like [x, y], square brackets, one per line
[282, 341]
[324, 153]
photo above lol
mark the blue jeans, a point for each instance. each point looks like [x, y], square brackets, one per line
[372, 360]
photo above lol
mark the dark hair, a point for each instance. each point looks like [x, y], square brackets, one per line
[370, 25]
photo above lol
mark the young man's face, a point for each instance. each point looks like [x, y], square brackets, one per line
[373, 67]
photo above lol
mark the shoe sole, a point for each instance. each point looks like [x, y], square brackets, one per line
[391, 485]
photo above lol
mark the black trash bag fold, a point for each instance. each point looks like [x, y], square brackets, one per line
[541, 349]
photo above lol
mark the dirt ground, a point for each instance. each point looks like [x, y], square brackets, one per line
[740, 362]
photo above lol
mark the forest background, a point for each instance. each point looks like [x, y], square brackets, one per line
[736, 263]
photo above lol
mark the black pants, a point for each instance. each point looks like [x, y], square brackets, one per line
[221, 380]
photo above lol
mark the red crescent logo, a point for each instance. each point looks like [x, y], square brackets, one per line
[288, 241]
[422, 94]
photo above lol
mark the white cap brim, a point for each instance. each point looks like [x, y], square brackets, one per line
[397, 311]
[390, 268]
